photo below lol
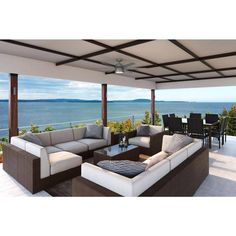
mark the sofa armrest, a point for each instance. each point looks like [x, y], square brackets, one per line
[107, 179]
[107, 135]
[22, 166]
[40, 152]
[156, 142]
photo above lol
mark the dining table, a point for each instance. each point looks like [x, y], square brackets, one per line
[208, 126]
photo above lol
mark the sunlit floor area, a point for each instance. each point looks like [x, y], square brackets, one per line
[222, 174]
[220, 182]
[9, 187]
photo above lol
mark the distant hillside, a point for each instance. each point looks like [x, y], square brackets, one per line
[75, 100]
[83, 101]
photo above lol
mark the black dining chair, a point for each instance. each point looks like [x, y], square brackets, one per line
[196, 129]
[165, 119]
[175, 125]
[195, 115]
[212, 118]
[172, 115]
[219, 133]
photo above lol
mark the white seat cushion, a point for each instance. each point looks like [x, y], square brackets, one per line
[151, 161]
[93, 143]
[140, 141]
[73, 146]
[52, 149]
[61, 161]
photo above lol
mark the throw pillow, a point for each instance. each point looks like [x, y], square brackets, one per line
[178, 141]
[94, 131]
[32, 138]
[143, 130]
[151, 161]
[126, 168]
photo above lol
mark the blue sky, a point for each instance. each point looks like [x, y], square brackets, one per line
[46, 88]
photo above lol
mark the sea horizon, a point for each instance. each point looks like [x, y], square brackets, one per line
[119, 100]
[44, 112]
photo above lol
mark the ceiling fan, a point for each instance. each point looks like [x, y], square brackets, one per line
[120, 68]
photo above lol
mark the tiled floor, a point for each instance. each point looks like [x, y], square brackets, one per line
[10, 188]
[220, 182]
[222, 178]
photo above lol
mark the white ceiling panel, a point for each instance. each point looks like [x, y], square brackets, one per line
[158, 51]
[190, 66]
[74, 47]
[16, 50]
[111, 58]
[223, 62]
[133, 74]
[229, 72]
[91, 66]
[209, 47]
[178, 77]
[157, 80]
[155, 70]
[114, 43]
[205, 75]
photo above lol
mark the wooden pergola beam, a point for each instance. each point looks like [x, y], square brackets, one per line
[104, 104]
[13, 106]
[153, 106]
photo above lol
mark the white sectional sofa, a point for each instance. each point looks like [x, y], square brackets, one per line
[125, 186]
[60, 152]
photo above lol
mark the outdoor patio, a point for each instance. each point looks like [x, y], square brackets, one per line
[220, 182]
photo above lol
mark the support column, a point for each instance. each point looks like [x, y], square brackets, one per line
[104, 104]
[153, 106]
[13, 106]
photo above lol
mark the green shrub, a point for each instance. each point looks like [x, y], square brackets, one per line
[2, 141]
[147, 118]
[49, 128]
[78, 126]
[34, 128]
[231, 113]
[22, 131]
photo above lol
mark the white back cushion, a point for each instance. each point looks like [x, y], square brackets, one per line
[195, 146]
[45, 138]
[40, 152]
[151, 161]
[149, 177]
[107, 135]
[166, 141]
[110, 180]
[19, 142]
[61, 136]
[79, 133]
[155, 129]
[122, 185]
[178, 157]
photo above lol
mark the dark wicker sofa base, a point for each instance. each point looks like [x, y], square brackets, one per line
[184, 180]
[25, 168]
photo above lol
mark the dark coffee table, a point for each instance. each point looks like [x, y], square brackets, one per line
[117, 153]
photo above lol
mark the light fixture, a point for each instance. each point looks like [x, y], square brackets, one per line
[119, 69]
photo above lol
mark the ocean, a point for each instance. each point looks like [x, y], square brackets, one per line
[64, 112]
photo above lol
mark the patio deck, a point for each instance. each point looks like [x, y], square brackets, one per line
[220, 182]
